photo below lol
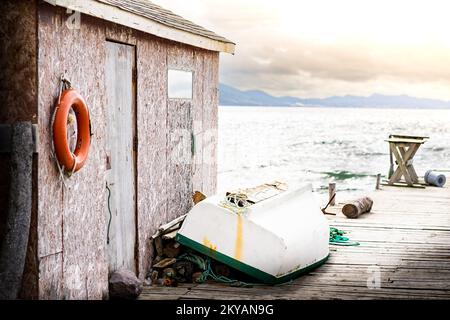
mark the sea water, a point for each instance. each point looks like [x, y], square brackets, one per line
[301, 145]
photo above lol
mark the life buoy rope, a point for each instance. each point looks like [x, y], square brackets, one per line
[71, 161]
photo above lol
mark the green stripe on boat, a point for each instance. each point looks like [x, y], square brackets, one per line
[245, 268]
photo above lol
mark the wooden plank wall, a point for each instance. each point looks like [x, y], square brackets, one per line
[119, 146]
[210, 122]
[164, 184]
[152, 142]
[72, 221]
[179, 120]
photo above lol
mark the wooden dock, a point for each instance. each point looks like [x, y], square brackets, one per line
[406, 238]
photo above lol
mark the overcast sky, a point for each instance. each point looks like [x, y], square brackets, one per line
[319, 48]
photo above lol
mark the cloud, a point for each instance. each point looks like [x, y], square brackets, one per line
[330, 48]
[345, 67]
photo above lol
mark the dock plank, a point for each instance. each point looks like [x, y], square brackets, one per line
[406, 236]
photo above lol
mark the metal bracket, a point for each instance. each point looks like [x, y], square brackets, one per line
[5, 138]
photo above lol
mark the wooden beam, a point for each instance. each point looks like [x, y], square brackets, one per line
[377, 186]
[332, 193]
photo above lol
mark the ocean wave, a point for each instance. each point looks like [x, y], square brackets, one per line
[345, 175]
[434, 148]
[297, 144]
[370, 154]
[332, 142]
[323, 189]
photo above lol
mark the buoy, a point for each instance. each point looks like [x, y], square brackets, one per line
[71, 161]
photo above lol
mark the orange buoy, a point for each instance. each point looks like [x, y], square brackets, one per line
[72, 162]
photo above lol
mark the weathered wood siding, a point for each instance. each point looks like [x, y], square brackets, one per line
[179, 156]
[164, 184]
[119, 147]
[210, 96]
[72, 220]
[72, 223]
[152, 144]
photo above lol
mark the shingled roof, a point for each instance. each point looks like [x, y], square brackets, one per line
[156, 13]
[148, 17]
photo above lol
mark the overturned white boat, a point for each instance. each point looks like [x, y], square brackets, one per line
[267, 232]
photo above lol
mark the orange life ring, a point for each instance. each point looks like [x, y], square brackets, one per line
[72, 162]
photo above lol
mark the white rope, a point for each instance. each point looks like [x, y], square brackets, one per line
[236, 202]
[74, 164]
[65, 84]
[53, 154]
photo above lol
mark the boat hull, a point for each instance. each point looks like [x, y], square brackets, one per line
[273, 241]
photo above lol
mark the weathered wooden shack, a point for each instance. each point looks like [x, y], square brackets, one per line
[150, 80]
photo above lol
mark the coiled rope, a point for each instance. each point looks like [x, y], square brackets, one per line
[207, 272]
[64, 85]
[336, 238]
[236, 202]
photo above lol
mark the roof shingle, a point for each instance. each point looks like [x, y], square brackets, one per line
[156, 13]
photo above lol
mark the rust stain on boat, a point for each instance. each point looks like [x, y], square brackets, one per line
[208, 244]
[239, 239]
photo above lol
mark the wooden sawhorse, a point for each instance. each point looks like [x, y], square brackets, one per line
[404, 148]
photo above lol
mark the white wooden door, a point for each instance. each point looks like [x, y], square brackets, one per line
[120, 63]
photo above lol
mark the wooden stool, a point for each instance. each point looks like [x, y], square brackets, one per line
[404, 148]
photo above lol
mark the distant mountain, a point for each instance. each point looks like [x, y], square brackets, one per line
[230, 96]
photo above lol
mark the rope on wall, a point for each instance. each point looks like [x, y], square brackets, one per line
[110, 214]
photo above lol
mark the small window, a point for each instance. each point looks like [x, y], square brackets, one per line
[179, 84]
